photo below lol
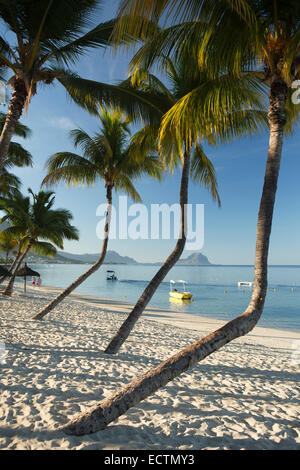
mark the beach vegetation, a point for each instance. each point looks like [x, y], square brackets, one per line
[107, 157]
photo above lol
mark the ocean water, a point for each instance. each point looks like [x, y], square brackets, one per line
[214, 289]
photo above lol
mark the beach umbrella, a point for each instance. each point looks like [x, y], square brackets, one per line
[4, 271]
[25, 272]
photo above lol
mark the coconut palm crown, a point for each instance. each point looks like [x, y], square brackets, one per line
[106, 156]
[47, 37]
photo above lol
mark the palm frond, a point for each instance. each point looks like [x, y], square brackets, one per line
[70, 52]
[9, 183]
[203, 171]
[44, 249]
[90, 94]
[18, 156]
[70, 168]
[20, 130]
[209, 108]
[124, 184]
[107, 155]
[137, 16]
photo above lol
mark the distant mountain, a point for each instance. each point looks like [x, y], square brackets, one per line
[112, 257]
[58, 259]
[195, 259]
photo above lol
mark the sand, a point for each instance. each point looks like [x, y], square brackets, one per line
[245, 396]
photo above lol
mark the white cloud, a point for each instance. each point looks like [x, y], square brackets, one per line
[63, 123]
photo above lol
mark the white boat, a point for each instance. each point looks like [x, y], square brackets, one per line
[111, 276]
[179, 294]
[245, 284]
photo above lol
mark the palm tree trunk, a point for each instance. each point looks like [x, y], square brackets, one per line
[90, 271]
[110, 409]
[14, 113]
[128, 325]
[9, 288]
[11, 268]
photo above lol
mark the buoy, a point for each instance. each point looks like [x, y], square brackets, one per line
[225, 291]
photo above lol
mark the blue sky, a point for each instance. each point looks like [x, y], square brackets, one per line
[229, 231]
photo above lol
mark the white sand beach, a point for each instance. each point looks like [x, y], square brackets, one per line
[246, 396]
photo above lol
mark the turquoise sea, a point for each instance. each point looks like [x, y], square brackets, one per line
[214, 289]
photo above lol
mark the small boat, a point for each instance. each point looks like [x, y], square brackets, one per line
[245, 284]
[179, 294]
[111, 276]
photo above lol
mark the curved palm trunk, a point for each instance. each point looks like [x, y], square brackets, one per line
[146, 296]
[15, 109]
[87, 273]
[17, 263]
[11, 268]
[109, 409]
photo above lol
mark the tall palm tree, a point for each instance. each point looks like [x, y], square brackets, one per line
[17, 156]
[195, 162]
[37, 225]
[108, 157]
[266, 45]
[47, 35]
[267, 42]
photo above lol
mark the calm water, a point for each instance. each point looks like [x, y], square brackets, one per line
[207, 283]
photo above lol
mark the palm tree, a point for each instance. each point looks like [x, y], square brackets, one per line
[19, 243]
[266, 45]
[267, 42]
[195, 162]
[16, 156]
[48, 35]
[37, 225]
[108, 157]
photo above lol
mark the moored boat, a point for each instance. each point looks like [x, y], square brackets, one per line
[111, 276]
[182, 294]
[245, 284]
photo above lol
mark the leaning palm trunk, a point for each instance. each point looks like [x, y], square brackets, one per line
[90, 271]
[14, 113]
[146, 296]
[111, 408]
[17, 263]
[11, 268]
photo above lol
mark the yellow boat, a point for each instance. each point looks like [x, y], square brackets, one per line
[179, 294]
